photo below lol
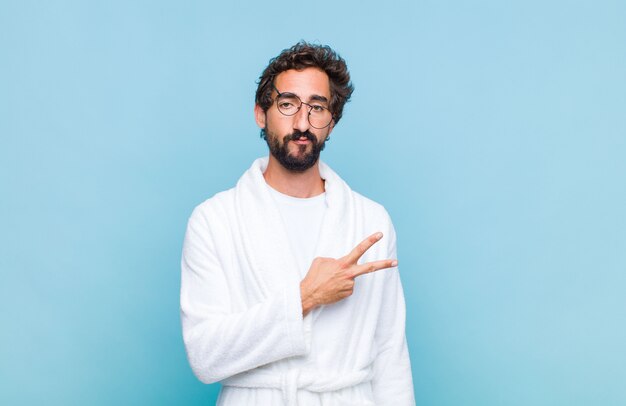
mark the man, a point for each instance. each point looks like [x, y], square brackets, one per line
[282, 300]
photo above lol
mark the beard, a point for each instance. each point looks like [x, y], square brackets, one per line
[299, 161]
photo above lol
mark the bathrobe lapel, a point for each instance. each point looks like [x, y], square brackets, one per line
[266, 248]
[341, 227]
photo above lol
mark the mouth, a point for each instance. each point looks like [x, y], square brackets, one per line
[302, 141]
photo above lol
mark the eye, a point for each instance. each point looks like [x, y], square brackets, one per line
[286, 105]
[316, 108]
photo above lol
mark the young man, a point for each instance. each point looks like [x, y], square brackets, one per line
[282, 298]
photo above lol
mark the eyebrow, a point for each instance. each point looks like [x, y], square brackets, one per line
[315, 97]
[319, 98]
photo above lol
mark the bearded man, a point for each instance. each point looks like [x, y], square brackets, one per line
[290, 292]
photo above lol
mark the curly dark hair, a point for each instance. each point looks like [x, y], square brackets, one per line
[305, 55]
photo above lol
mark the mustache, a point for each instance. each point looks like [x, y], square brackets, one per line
[296, 135]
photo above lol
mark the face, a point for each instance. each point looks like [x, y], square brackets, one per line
[293, 142]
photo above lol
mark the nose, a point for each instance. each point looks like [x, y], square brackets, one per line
[301, 119]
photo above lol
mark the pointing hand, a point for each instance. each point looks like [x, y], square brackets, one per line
[330, 280]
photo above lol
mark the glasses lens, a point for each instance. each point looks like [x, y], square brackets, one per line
[319, 117]
[288, 104]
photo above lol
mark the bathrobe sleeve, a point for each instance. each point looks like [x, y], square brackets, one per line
[392, 383]
[221, 342]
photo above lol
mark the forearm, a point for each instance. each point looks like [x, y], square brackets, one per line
[223, 336]
[222, 345]
[307, 300]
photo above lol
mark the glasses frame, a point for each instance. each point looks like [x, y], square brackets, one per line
[279, 94]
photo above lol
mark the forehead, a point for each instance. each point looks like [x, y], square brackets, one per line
[304, 83]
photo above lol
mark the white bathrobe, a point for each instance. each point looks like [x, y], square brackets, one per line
[242, 314]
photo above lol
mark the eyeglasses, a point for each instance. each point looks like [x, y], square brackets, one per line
[289, 104]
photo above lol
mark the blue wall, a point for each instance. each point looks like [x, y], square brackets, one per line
[494, 133]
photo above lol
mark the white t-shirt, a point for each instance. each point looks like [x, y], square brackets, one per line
[303, 222]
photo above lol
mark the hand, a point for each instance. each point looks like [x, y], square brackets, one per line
[331, 280]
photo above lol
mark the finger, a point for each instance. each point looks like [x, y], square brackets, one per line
[374, 266]
[360, 249]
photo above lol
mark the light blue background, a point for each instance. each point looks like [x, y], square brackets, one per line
[493, 131]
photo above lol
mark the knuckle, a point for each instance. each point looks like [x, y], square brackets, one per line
[321, 260]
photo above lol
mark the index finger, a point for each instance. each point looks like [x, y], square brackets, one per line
[363, 246]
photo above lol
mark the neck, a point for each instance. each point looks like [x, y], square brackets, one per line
[296, 184]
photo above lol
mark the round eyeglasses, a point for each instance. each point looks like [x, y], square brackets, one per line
[289, 104]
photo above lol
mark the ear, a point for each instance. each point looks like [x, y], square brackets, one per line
[259, 116]
[331, 126]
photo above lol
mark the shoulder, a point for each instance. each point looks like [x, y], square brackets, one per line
[340, 187]
[208, 221]
[372, 209]
[376, 218]
[214, 208]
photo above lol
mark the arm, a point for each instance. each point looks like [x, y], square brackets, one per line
[392, 383]
[219, 342]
